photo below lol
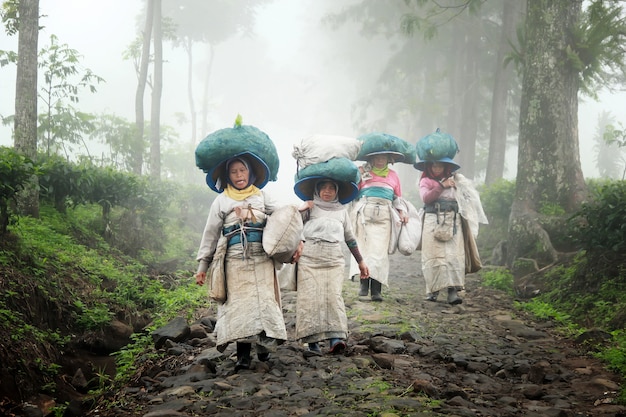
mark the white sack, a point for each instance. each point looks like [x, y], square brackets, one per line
[410, 235]
[283, 233]
[320, 148]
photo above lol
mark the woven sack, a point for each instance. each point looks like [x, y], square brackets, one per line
[217, 272]
[410, 235]
[436, 146]
[382, 142]
[282, 233]
[320, 148]
[241, 140]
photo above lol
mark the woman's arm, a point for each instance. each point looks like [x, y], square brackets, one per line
[430, 190]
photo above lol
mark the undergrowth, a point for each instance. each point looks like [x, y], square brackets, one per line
[60, 279]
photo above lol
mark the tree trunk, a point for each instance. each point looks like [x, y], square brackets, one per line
[455, 80]
[205, 92]
[26, 99]
[155, 119]
[192, 104]
[549, 175]
[499, 104]
[141, 89]
[469, 110]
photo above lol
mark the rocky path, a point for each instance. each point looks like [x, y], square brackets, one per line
[406, 357]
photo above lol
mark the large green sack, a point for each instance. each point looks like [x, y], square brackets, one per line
[377, 143]
[241, 140]
[436, 146]
[341, 170]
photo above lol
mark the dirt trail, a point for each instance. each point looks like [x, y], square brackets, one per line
[406, 357]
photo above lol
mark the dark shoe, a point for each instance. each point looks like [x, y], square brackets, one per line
[263, 357]
[365, 287]
[314, 347]
[453, 297]
[242, 363]
[376, 289]
[432, 296]
[337, 346]
[243, 356]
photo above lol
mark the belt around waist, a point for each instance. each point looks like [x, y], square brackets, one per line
[440, 206]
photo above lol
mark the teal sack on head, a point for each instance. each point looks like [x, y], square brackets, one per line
[436, 146]
[374, 143]
[341, 170]
[215, 149]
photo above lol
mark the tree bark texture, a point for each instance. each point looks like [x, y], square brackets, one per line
[25, 127]
[157, 88]
[549, 175]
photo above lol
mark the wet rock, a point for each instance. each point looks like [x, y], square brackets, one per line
[176, 330]
[405, 357]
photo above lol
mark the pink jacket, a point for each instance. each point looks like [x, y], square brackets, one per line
[430, 190]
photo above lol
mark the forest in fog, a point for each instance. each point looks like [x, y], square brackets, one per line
[298, 68]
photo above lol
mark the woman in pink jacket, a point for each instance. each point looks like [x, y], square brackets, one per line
[443, 253]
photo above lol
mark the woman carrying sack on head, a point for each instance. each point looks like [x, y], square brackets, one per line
[452, 213]
[372, 216]
[251, 313]
[320, 310]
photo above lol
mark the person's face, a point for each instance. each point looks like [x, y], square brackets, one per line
[239, 175]
[328, 191]
[379, 161]
[438, 168]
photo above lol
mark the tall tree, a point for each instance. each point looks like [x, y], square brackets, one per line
[565, 51]
[157, 88]
[208, 23]
[549, 175]
[142, 81]
[511, 17]
[26, 97]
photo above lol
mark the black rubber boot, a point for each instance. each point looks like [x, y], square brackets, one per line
[376, 290]
[365, 287]
[243, 356]
[453, 297]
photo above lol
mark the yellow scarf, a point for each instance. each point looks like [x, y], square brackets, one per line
[240, 195]
[381, 172]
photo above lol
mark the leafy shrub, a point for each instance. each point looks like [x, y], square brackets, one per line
[15, 172]
[64, 183]
[500, 279]
[599, 224]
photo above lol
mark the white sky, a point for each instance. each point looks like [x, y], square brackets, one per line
[279, 80]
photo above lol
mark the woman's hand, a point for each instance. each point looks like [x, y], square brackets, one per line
[200, 278]
[296, 256]
[403, 217]
[306, 206]
[365, 271]
[448, 183]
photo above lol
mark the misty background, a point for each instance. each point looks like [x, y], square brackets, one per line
[290, 74]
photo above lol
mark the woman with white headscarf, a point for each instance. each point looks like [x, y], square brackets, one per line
[320, 309]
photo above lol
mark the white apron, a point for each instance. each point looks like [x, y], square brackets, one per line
[371, 222]
[320, 310]
[443, 263]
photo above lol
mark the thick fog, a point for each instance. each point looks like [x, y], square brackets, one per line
[291, 77]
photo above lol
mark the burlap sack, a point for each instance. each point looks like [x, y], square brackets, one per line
[283, 233]
[216, 272]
